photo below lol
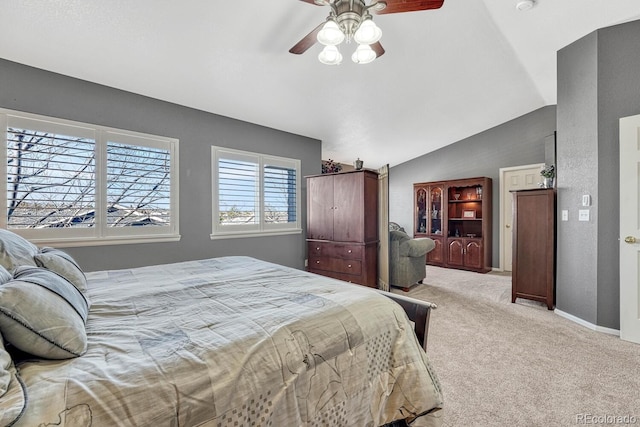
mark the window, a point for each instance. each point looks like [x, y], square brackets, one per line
[70, 183]
[254, 194]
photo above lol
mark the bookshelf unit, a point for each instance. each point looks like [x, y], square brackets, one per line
[456, 214]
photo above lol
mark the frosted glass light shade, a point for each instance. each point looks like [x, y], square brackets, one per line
[367, 33]
[330, 55]
[330, 34]
[363, 54]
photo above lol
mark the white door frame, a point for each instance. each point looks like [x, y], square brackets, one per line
[503, 220]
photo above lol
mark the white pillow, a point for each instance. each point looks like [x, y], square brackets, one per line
[43, 314]
[63, 264]
[15, 250]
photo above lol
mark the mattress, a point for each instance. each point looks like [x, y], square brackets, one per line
[234, 341]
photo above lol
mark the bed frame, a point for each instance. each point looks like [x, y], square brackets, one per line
[418, 312]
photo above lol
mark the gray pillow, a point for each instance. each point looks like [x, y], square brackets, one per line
[15, 250]
[6, 364]
[12, 393]
[63, 264]
[5, 276]
[43, 314]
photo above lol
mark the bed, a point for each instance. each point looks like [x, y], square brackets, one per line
[231, 341]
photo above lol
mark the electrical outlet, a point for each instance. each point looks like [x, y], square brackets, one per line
[565, 215]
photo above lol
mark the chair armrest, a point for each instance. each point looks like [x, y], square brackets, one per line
[418, 247]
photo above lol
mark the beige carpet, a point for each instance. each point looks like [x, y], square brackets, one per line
[504, 364]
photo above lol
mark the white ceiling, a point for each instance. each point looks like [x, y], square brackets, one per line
[447, 74]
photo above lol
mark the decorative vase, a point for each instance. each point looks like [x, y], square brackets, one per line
[548, 182]
[358, 164]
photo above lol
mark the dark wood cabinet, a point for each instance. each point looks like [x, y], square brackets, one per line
[456, 214]
[534, 228]
[465, 253]
[342, 226]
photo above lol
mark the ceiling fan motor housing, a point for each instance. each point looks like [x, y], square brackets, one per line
[349, 14]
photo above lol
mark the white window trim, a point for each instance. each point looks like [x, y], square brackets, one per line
[261, 229]
[98, 236]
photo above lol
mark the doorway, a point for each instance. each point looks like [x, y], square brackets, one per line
[513, 178]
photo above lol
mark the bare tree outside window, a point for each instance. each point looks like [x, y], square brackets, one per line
[50, 179]
[51, 182]
[138, 186]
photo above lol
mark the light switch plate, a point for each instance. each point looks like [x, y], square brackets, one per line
[565, 215]
[583, 215]
[586, 200]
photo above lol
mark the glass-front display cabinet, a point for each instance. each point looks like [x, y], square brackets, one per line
[428, 218]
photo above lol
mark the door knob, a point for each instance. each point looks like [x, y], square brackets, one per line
[508, 225]
[630, 239]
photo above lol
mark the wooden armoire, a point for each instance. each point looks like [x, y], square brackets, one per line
[342, 226]
[533, 260]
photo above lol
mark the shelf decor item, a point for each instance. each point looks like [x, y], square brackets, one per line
[358, 164]
[468, 213]
[548, 173]
[329, 166]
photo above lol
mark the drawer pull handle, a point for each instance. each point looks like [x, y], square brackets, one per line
[349, 265]
[317, 262]
[349, 251]
[318, 248]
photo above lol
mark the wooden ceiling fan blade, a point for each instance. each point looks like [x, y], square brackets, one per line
[397, 6]
[307, 41]
[378, 49]
[317, 3]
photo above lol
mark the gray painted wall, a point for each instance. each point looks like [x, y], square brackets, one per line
[41, 92]
[598, 83]
[521, 141]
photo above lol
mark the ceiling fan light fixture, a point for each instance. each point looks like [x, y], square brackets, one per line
[367, 33]
[363, 54]
[330, 34]
[330, 55]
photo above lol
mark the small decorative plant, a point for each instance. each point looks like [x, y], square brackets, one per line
[329, 166]
[548, 171]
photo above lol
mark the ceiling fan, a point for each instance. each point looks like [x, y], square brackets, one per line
[351, 20]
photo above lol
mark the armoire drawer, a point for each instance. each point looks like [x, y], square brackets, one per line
[339, 265]
[335, 250]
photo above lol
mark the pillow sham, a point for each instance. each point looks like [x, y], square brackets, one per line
[43, 314]
[5, 276]
[12, 393]
[5, 365]
[63, 264]
[15, 250]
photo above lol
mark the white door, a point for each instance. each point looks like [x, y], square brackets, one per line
[513, 178]
[629, 228]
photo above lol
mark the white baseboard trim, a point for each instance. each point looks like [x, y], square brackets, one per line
[586, 324]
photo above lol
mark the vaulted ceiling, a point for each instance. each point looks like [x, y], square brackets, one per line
[447, 74]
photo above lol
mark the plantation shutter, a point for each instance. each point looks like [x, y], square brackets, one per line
[50, 175]
[238, 190]
[280, 193]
